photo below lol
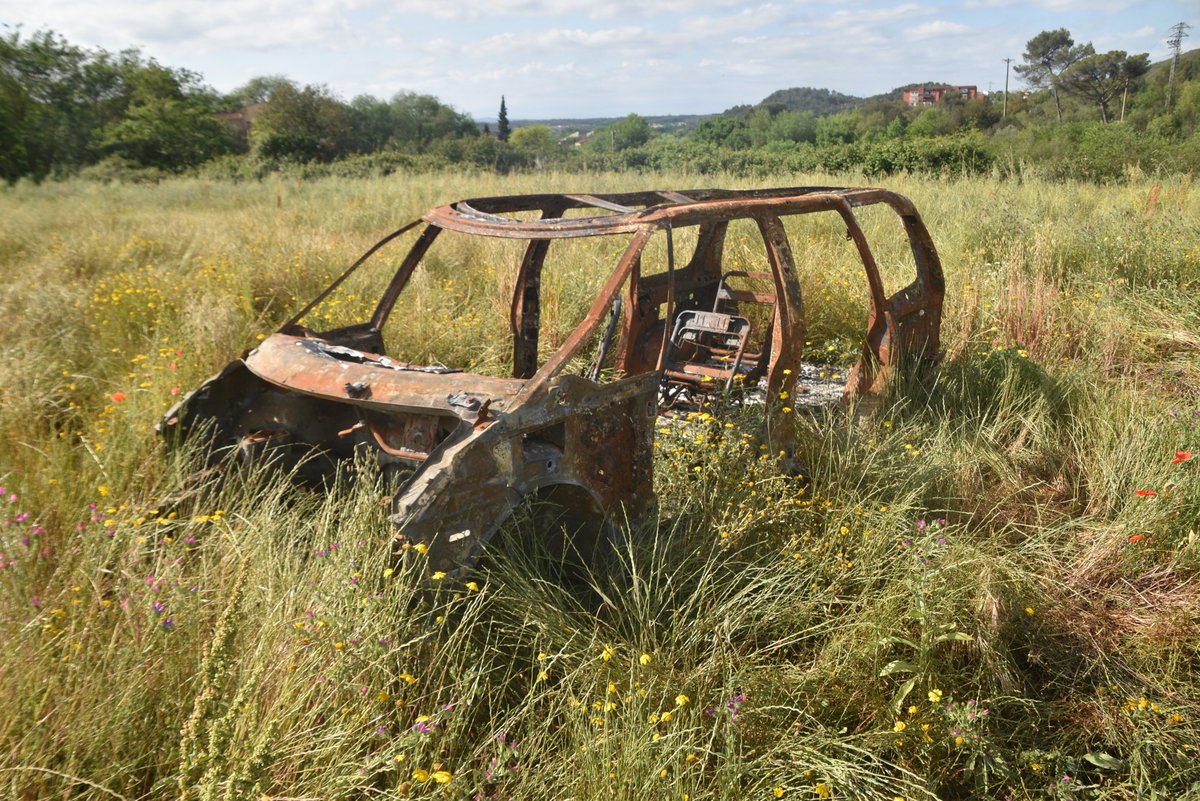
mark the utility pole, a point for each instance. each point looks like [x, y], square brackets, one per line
[1174, 42]
[1007, 62]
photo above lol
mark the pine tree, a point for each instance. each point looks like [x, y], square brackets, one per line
[502, 129]
[1047, 56]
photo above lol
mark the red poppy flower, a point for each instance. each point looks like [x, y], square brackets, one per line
[118, 397]
[1137, 538]
[1181, 457]
[1146, 494]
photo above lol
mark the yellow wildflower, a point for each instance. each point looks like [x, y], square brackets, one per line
[777, 792]
[644, 660]
[935, 696]
[900, 726]
[607, 653]
[443, 777]
[420, 775]
[682, 700]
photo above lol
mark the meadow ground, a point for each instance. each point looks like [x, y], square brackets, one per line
[986, 591]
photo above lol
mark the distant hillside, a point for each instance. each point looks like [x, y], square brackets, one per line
[821, 102]
[1189, 67]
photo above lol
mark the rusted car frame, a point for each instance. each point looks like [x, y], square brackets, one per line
[463, 450]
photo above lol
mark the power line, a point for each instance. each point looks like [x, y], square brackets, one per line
[1178, 29]
[1007, 62]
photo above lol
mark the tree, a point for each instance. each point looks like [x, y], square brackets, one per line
[259, 90]
[1103, 76]
[933, 121]
[536, 142]
[308, 124]
[419, 120]
[374, 125]
[794, 126]
[166, 116]
[53, 96]
[837, 129]
[1046, 56]
[759, 123]
[633, 131]
[1131, 72]
[168, 133]
[724, 131]
[62, 107]
[502, 129]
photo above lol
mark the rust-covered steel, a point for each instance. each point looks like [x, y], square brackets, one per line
[463, 450]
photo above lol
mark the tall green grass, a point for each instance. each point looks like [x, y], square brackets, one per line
[967, 597]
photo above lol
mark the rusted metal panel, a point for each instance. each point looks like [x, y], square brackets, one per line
[461, 451]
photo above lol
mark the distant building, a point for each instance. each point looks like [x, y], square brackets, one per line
[241, 121]
[934, 94]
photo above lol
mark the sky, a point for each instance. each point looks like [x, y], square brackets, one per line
[603, 58]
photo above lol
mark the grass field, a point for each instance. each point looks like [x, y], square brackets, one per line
[988, 590]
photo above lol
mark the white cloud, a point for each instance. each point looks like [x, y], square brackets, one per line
[1058, 6]
[471, 10]
[935, 30]
[198, 27]
[566, 57]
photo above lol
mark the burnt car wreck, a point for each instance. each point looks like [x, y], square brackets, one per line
[676, 323]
